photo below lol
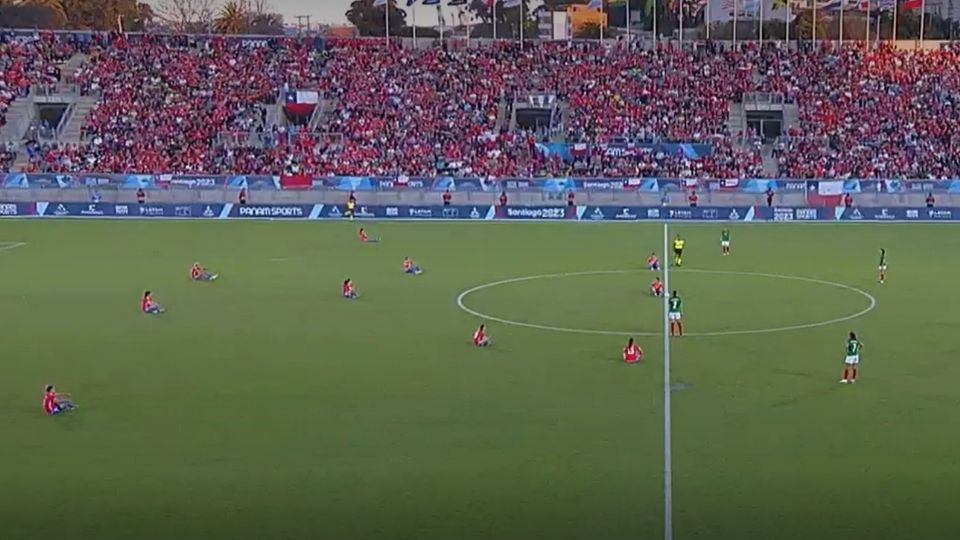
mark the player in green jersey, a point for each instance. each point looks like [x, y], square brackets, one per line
[852, 360]
[883, 265]
[725, 241]
[675, 314]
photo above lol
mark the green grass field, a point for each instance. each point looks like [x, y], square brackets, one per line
[263, 406]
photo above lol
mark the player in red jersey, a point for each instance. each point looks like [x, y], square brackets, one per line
[653, 263]
[632, 353]
[656, 288]
[348, 290]
[54, 403]
[147, 305]
[199, 273]
[366, 238]
[480, 337]
[410, 268]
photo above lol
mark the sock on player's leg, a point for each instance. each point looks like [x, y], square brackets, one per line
[846, 374]
[854, 374]
[680, 327]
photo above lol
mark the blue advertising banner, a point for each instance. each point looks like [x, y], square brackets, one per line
[18, 209]
[465, 212]
[440, 183]
[334, 211]
[53, 209]
[536, 212]
[270, 210]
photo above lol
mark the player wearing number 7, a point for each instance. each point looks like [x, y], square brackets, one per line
[675, 314]
[852, 361]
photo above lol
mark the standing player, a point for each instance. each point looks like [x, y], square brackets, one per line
[883, 265]
[54, 403]
[480, 337]
[656, 288]
[632, 353]
[725, 241]
[852, 360]
[678, 243]
[675, 314]
[653, 262]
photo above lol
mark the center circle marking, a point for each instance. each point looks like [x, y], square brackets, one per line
[463, 295]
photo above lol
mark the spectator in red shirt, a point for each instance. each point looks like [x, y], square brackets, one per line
[447, 197]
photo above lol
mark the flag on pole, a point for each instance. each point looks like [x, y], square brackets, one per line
[379, 3]
[507, 4]
[431, 2]
[912, 4]
[455, 3]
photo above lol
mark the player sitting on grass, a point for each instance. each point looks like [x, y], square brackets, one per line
[480, 338]
[199, 273]
[54, 403]
[348, 290]
[852, 360]
[410, 268]
[147, 305]
[365, 238]
[656, 288]
[653, 263]
[632, 353]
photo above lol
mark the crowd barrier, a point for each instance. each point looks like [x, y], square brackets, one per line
[44, 209]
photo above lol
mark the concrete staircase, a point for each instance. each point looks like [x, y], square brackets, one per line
[559, 134]
[771, 169]
[736, 119]
[501, 114]
[791, 116]
[69, 69]
[78, 116]
[19, 116]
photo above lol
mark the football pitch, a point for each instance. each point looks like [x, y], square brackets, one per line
[264, 406]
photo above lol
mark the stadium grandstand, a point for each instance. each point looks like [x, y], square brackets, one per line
[178, 104]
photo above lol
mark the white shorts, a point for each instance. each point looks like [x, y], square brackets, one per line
[883, 268]
[724, 243]
[852, 360]
[673, 316]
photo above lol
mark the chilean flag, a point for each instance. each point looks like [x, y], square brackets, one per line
[301, 102]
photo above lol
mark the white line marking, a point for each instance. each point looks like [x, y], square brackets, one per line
[667, 415]
[475, 313]
[4, 246]
[283, 259]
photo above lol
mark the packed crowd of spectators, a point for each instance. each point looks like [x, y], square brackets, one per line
[165, 103]
[27, 63]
